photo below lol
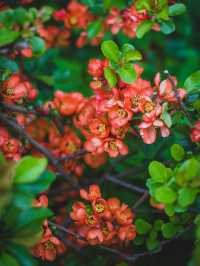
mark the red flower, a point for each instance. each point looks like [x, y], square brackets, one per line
[67, 103]
[166, 91]
[99, 128]
[119, 116]
[41, 202]
[49, 247]
[195, 132]
[78, 213]
[94, 145]
[115, 147]
[114, 20]
[95, 160]
[124, 215]
[93, 194]
[95, 236]
[113, 204]
[127, 232]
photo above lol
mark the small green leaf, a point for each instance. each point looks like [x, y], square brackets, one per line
[192, 83]
[165, 194]
[8, 64]
[37, 45]
[158, 172]
[177, 152]
[187, 171]
[110, 76]
[133, 55]
[169, 230]
[127, 73]
[94, 28]
[7, 36]
[143, 28]
[142, 227]
[29, 169]
[177, 9]
[170, 210]
[186, 196]
[167, 27]
[111, 50]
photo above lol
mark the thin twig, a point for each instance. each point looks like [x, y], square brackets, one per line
[141, 200]
[122, 183]
[11, 123]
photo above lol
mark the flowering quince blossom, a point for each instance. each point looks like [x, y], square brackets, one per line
[16, 89]
[101, 221]
[77, 16]
[49, 247]
[195, 132]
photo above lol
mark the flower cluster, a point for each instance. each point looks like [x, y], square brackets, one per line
[77, 16]
[11, 147]
[46, 133]
[49, 247]
[101, 221]
[16, 89]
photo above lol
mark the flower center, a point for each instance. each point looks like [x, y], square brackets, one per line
[112, 145]
[73, 20]
[90, 219]
[9, 92]
[122, 113]
[49, 245]
[135, 101]
[99, 207]
[149, 106]
[101, 128]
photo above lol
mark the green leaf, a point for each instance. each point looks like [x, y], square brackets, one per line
[30, 216]
[127, 73]
[177, 152]
[111, 50]
[133, 55]
[7, 36]
[186, 196]
[170, 210]
[167, 27]
[40, 185]
[110, 76]
[192, 83]
[142, 227]
[29, 169]
[94, 28]
[187, 171]
[143, 28]
[177, 9]
[169, 230]
[158, 172]
[37, 45]
[165, 194]
[20, 15]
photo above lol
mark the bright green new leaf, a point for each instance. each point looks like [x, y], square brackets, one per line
[111, 50]
[29, 169]
[186, 196]
[127, 73]
[133, 55]
[165, 194]
[177, 152]
[187, 171]
[7, 36]
[110, 76]
[143, 28]
[158, 172]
